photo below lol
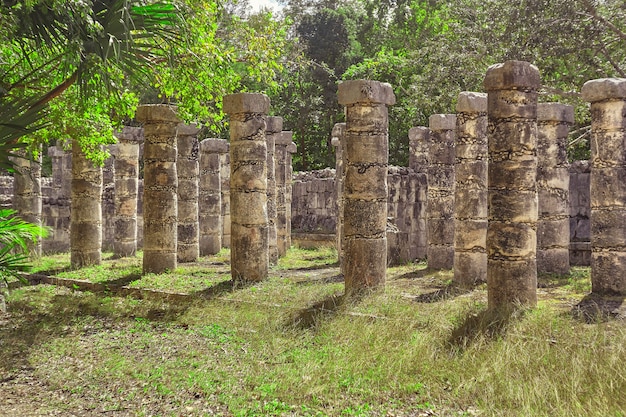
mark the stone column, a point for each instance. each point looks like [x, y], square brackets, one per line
[58, 219]
[225, 194]
[291, 151]
[419, 147]
[440, 206]
[512, 190]
[365, 197]
[608, 184]
[283, 195]
[273, 130]
[86, 210]
[338, 140]
[187, 170]
[108, 199]
[27, 199]
[553, 122]
[248, 186]
[470, 192]
[126, 183]
[210, 197]
[160, 182]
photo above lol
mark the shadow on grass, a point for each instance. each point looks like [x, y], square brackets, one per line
[595, 308]
[487, 324]
[420, 273]
[315, 267]
[324, 280]
[446, 293]
[222, 287]
[309, 317]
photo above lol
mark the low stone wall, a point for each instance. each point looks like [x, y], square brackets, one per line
[314, 204]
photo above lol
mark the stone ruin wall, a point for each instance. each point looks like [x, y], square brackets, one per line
[315, 211]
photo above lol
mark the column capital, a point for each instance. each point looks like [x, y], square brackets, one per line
[512, 75]
[184, 129]
[365, 92]
[471, 102]
[555, 112]
[213, 145]
[274, 124]
[246, 103]
[604, 89]
[419, 133]
[285, 138]
[154, 113]
[442, 122]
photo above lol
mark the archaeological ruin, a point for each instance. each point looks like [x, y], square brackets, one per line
[488, 192]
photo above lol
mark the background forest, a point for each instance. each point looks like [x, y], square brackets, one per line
[88, 81]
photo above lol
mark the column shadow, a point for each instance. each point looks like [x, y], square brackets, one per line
[487, 324]
[595, 308]
[309, 317]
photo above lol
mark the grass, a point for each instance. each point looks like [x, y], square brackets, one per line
[290, 346]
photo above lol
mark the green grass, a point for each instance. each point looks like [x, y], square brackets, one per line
[289, 346]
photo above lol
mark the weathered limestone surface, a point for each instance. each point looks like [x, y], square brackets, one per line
[512, 191]
[283, 191]
[86, 210]
[419, 147]
[553, 235]
[579, 213]
[56, 205]
[365, 197]
[27, 199]
[160, 200]
[470, 193]
[210, 195]
[248, 185]
[608, 184]
[291, 150]
[440, 207]
[225, 194]
[187, 170]
[274, 129]
[338, 140]
[126, 186]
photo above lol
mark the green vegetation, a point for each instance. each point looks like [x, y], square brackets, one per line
[290, 346]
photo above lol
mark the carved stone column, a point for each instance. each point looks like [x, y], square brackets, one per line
[27, 199]
[273, 130]
[440, 206]
[210, 199]
[553, 122]
[283, 194]
[608, 184]
[419, 147]
[248, 185]
[187, 170]
[365, 197]
[338, 140]
[225, 194]
[291, 150]
[86, 210]
[126, 186]
[512, 193]
[470, 193]
[160, 199]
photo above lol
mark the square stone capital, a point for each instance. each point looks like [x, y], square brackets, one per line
[285, 138]
[184, 129]
[338, 132]
[273, 124]
[471, 102]
[155, 113]
[365, 91]
[419, 133]
[246, 103]
[442, 122]
[604, 89]
[512, 75]
[555, 112]
[213, 145]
